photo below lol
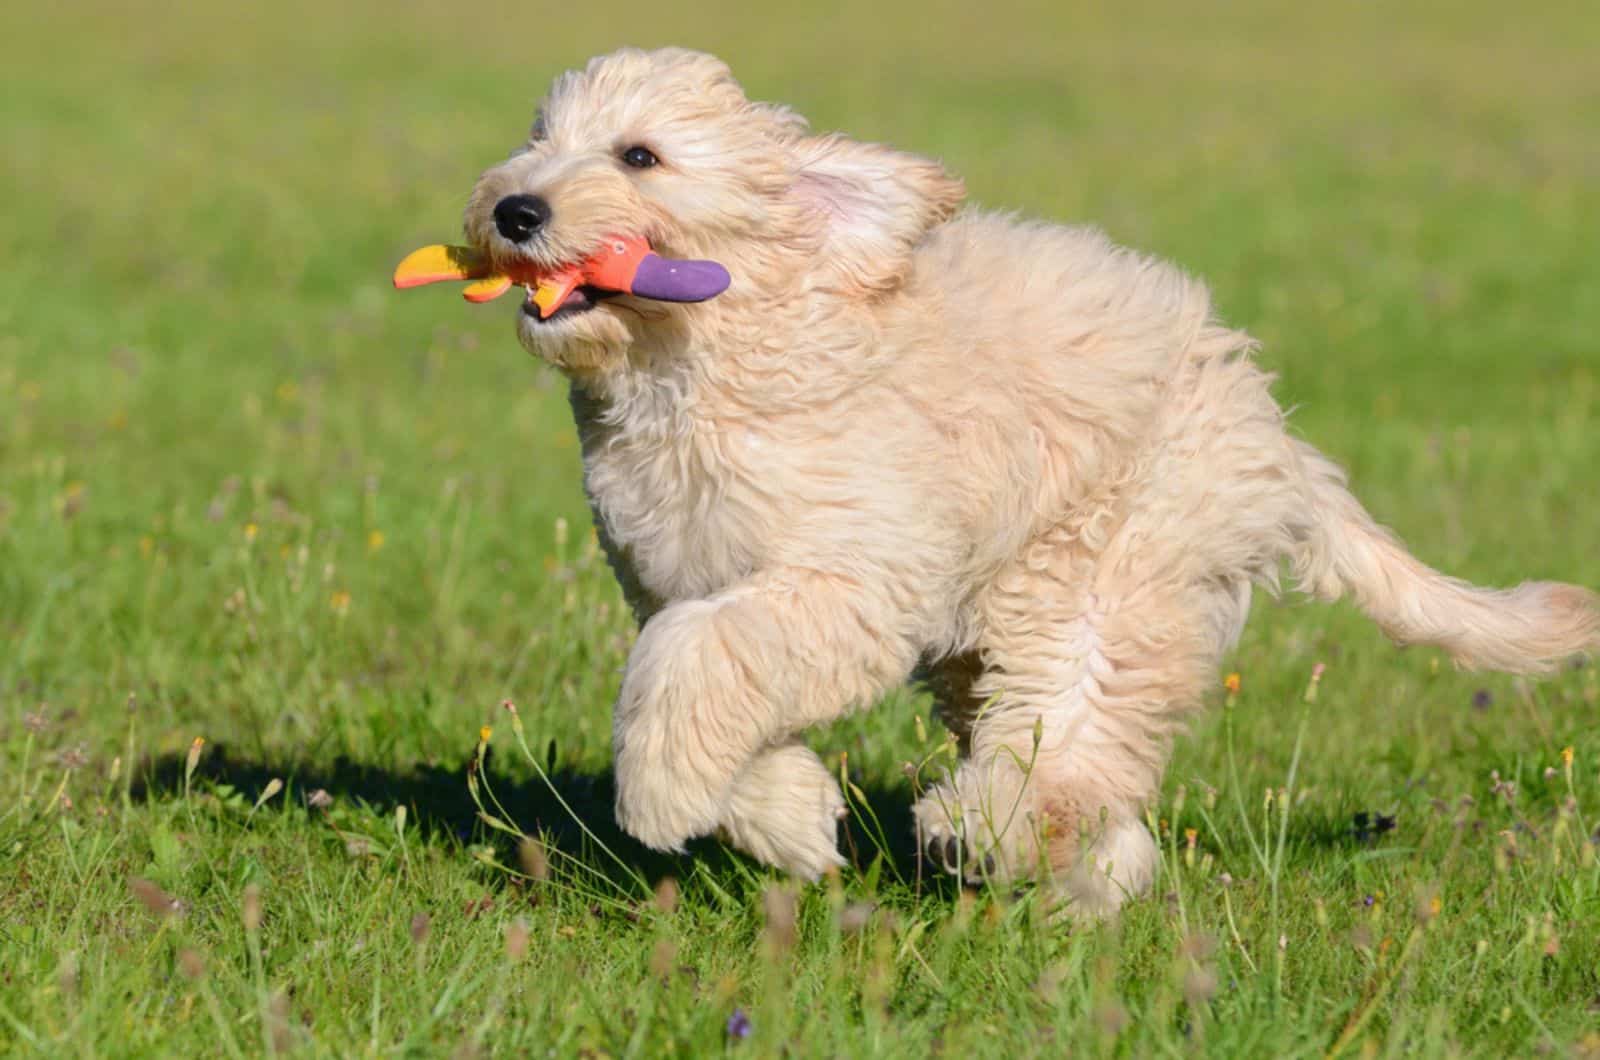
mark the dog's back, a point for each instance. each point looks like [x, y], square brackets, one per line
[1123, 392]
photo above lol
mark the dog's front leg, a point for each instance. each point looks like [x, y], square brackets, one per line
[713, 683]
[784, 809]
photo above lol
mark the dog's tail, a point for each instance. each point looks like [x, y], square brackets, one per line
[1532, 628]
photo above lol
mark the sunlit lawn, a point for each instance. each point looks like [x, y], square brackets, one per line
[249, 494]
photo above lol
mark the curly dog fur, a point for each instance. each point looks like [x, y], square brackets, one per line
[1007, 456]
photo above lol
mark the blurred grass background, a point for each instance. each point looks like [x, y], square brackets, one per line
[319, 523]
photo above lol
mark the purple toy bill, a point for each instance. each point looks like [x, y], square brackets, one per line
[679, 281]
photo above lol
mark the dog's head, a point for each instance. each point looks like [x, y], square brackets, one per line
[665, 145]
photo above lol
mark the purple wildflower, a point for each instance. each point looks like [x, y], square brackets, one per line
[739, 1024]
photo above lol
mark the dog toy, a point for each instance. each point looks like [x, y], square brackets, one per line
[623, 265]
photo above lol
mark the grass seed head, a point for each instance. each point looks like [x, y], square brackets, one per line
[421, 928]
[1197, 947]
[193, 760]
[662, 958]
[1111, 1018]
[533, 858]
[1316, 680]
[274, 786]
[666, 896]
[517, 940]
[191, 964]
[250, 909]
[1428, 905]
[1047, 987]
[278, 1029]
[1199, 986]
[778, 909]
[1552, 942]
[854, 918]
[160, 904]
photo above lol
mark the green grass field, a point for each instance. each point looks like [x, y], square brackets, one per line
[250, 494]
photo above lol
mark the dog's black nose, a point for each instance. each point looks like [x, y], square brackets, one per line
[520, 216]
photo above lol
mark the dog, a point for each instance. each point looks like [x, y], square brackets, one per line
[914, 440]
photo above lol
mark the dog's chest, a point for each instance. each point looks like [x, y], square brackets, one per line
[686, 506]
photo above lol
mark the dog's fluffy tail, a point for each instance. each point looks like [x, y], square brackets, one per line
[1532, 628]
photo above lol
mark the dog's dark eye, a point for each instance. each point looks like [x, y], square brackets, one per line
[639, 157]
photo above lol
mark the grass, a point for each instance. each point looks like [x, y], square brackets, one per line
[249, 494]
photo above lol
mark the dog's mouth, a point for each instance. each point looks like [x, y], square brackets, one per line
[581, 299]
[622, 265]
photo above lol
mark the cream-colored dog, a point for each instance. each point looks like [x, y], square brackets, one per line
[1010, 457]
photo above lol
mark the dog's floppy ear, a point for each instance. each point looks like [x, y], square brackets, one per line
[869, 206]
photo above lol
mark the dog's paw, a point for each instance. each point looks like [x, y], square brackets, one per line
[981, 825]
[785, 810]
[1120, 863]
[663, 805]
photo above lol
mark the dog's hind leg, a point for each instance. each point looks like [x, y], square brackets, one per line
[1087, 674]
[1104, 633]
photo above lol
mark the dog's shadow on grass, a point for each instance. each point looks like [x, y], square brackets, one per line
[571, 812]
